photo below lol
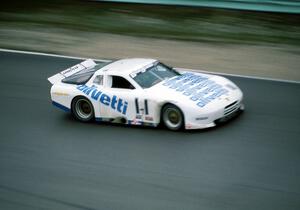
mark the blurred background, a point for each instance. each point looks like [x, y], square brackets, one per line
[248, 37]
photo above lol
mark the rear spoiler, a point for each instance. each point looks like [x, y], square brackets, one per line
[89, 63]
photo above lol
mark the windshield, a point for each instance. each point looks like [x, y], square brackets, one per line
[154, 75]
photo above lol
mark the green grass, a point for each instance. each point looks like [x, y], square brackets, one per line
[162, 22]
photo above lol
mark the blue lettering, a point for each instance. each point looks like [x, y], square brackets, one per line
[202, 102]
[95, 94]
[186, 75]
[176, 85]
[211, 97]
[125, 108]
[195, 79]
[105, 99]
[120, 104]
[221, 92]
[114, 102]
[81, 87]
[214, 87]
[191, 85]
[89, 89]
[197, 96]
[171, 81]
[190, 91]
[183, 87]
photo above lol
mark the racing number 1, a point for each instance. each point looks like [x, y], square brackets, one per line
[141, 108]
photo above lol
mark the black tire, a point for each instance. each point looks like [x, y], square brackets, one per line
[172, 117]
[82, 109]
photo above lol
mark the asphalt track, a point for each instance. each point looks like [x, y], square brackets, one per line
[50, 161]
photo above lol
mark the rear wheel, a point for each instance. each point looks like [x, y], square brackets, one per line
[82, 109]
[172, 117]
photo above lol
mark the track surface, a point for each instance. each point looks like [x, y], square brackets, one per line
[50, 161]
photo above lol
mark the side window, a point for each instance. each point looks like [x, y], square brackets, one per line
[120, 82]
[98, 80]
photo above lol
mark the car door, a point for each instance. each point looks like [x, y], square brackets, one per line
[122, 94]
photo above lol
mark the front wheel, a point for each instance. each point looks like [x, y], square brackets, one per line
[172, 117]
[82, 109]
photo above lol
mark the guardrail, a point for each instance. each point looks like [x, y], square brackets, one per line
[286, 6]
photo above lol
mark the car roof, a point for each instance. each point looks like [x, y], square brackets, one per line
[125, 67]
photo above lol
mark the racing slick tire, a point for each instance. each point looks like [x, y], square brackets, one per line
[172, 117]
[82, 109]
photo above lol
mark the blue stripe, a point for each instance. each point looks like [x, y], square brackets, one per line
[99, 119]
[103, 119]
[66, 109]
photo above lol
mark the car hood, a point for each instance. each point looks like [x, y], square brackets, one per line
[198, 90]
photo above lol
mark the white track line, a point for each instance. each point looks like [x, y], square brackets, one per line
[50, 55]
[184, 69]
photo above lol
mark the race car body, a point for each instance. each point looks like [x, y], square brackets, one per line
[145, 92]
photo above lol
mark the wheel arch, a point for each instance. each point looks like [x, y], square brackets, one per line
[81, 96]
[173, 104]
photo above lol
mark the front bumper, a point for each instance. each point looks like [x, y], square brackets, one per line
[218, 117]
[228, 117]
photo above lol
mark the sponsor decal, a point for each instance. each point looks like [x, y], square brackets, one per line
[135, 122]
[114, 102]
[138, 116]
[60, 93]
[198, 88]
[149, 118]
[201, 118]
[70, 70]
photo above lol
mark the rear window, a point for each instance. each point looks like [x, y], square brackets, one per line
[84, 75]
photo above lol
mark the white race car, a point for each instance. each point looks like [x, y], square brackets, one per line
[145, 92]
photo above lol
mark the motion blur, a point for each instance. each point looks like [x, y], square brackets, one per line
[240, 41]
